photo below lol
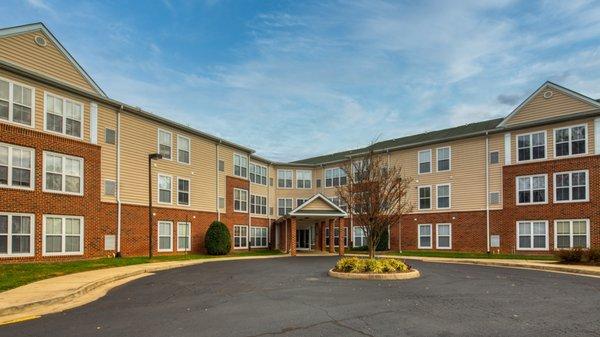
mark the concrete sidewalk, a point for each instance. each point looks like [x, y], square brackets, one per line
[68, 291]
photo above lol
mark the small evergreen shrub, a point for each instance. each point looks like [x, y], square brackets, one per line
[574, 255]
[360, 265]
[218, 239]
[593, 255]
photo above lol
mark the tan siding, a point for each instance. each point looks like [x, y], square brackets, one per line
[261, 190]
[540, 108]
[318, 205]
[107, 118]
[496, 143]
[23, 51]
[295, 193]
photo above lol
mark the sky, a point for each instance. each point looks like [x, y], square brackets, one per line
[294, 79]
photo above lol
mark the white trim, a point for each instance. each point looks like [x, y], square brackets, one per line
[158, 175]
[189, 151]
[94, 123]
[266, 176]
[531, 176]
[11, 102]
[419, 198]
[266, 236]
[258, 205]
[63, 175]
[437, 235]
[318, 195]
[189, 236]
[285, 206]
[569, 142]
[449, 196]
[158, 131]
[9, 235]
[531, 235]
[333, 169]
[419, 161]
[285, 179]
[570, 173]
[430, 236]
[437, 159]
[587, 233]
[530, 134]
[64, 117]
[189, 191]
[63, 235]
[247, 165]
[507, 148]
[241, 236]
[247, 200]
[596, 138]
[304, 180]
[10, 167]
[158, 236]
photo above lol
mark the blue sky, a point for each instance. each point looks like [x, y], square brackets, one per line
[293, 79]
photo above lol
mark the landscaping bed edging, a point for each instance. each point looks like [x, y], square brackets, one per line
[411, 274]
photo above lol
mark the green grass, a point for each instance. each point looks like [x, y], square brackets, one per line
[460, 255]
[18, 274]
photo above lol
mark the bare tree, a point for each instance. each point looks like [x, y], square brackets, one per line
[376, 194]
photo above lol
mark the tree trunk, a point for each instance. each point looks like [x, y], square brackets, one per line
[371, 251]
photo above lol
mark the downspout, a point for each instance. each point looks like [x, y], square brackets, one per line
[217, 183]
[272, 244]
[487, 191]
[119, 210]
[248, 205]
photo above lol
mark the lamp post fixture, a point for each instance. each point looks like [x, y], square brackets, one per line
[152, 156]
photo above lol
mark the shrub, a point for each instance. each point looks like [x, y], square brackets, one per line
[593, 255]
[360, 265]
[217, 240]
[574, 255]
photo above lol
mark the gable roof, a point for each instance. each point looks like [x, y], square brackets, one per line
[38, 26]
[302, 211]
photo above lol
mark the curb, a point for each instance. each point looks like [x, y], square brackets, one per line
[412, 274]
[101, 282]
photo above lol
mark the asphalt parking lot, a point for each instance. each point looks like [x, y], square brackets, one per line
[295, 297]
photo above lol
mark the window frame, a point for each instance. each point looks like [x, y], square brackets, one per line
[419, 198]
[587, 233]
[341, 174]
[363, 237]
[11, 100]
[258, 177]
[570, 173]
[437, 235]
[10, 167]
[189, 236]
[419, 246]
[531, 176]
[159, 130]
[10, 234]
[253, 237]
[291, 179]
[437, 159]
[158, 175]
[497, 153]
[285, 206]
[532, 235]
[240, 210]
[419, 161]
[337, 237]
[530, 134]
[255, 205]
[189, 151]
[570, 141]
[298, 172]
[245, 237]
[63, 174]
[63, 235]
[437, 196]
[64, 123]
[158, 236]
[242, 157]
[189, 191]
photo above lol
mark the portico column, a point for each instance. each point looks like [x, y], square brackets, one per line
[331, 237]
[293, 236]
[323, 242]
[342, 225]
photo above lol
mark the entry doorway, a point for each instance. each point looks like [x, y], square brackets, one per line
[303, 239]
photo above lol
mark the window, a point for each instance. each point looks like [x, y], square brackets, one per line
[300, 201]
[284, 178]
[164, 144]
[570, 141]
[443, 158]
[258, 204]
[494, 198]
[359, 170]
[240, 200]
[183, 149]
[443, 196]
[164, 189]
[424, 161]
[110, 187]
[16, 102]
[221, 166]
[184, 236]
[424, 236]
[494, 157]
[335, 177]
[110, 136]
[424, 197]
[340, 203]
[336, 236]
[284, 206]
[221, 202]
[258, 237]
[531, 189]
[183, 191]
[571, 233]
[16, 166]
[240, 165]
[16, 235]
[359, 239]
[531, 146]
[63, 173]
[258, 174]
[240, 236]
[165, 236]
[571, 186]
[318, 183]
[532, 235]
[63, 116]
[63, 235]
[443, 233]
[303, 179]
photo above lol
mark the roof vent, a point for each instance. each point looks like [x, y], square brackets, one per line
[547, 94]
[40, 41]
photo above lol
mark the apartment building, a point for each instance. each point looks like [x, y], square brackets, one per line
[83, 175]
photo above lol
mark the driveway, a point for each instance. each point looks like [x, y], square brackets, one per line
[295, 297]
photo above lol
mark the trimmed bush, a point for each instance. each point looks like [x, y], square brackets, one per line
[359, 265]
[574, 255]
[218, 239]
[592, 255]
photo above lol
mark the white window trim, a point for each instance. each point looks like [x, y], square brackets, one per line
[247, 165]
[292, 199]
[10, 234]
[158, 188]
[587, 187]
[11, 100]
[363, 236]
[304, 180]
[170, 142]
[63, 156]
[430, 236]
[291, 178]
[419, 161]
[64, 99]
[531, 235]
[260, 175]
[189, 150]
[189, 192]
[158, 236]
[324, 184]
[247, 200]
[419, 198]
[587, 136]
[346, 234]
[437, 159]
[189, 237]
[257, 205]
[531, 203]
[490, 157]
[449, 196]
[10, 167]
[247, 237]
[63, 217]
[437, 235]
[267, 236]
[587, 235]
[531, 133]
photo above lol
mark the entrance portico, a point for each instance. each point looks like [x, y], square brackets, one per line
[304, 228]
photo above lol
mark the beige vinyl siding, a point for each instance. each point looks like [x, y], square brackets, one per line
[261, 190]
[318, 205]
[295, 193]
[107, 118]
[49, 60]
[496, 143]
[541, 108]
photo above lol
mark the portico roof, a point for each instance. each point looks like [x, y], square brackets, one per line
[318, 206]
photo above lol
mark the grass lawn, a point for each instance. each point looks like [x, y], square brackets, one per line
[471, 255]
[18, 274]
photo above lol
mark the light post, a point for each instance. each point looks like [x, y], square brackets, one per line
[151, 157]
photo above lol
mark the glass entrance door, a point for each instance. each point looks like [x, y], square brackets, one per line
[303, 239]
